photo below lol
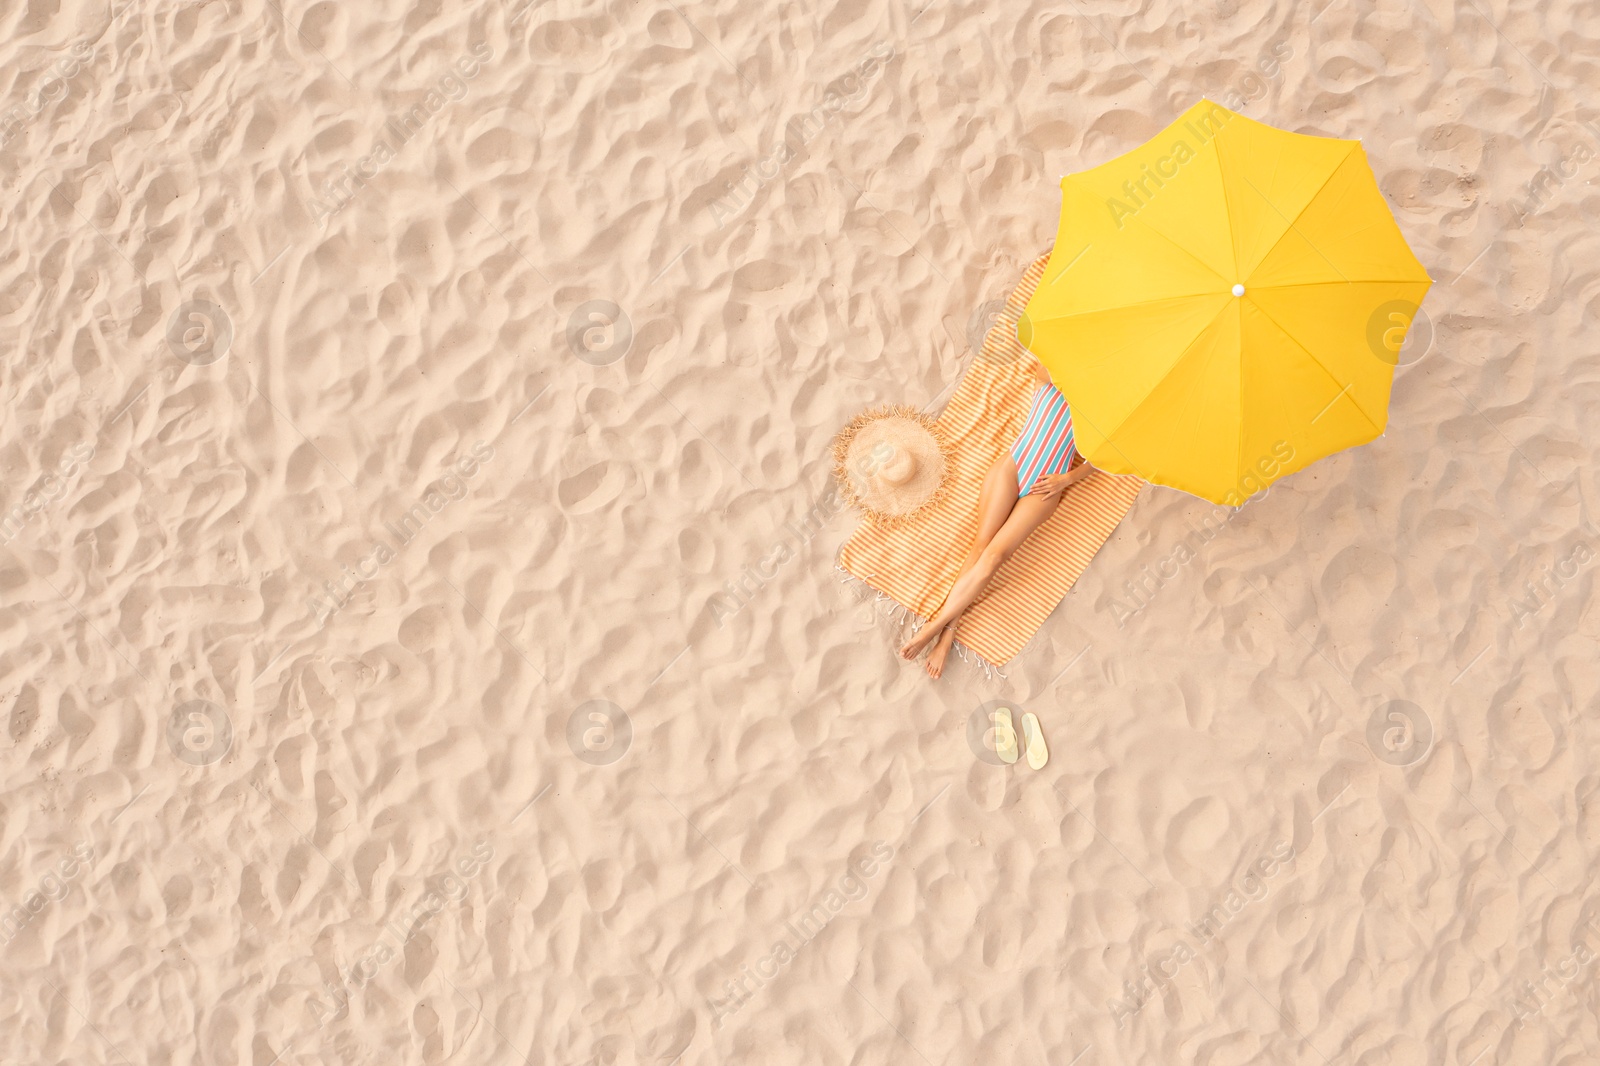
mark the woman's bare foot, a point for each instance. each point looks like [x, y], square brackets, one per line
[913, 647]
[936, 657]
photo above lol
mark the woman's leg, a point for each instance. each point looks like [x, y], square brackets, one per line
[1028, 515]
[995, 501]
[936, 657]
[999, 488]
[986, 532]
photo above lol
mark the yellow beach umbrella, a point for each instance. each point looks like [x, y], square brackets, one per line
[1224, 305]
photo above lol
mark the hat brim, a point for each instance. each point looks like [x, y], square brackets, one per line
[904, 427]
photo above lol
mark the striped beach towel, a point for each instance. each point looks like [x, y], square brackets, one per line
[916, 564]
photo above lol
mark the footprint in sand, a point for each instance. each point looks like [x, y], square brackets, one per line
[591, 489]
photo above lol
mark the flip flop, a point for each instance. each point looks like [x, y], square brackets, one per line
[1005, 735]
[1033, 737]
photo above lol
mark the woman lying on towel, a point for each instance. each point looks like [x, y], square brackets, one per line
[1020, 491]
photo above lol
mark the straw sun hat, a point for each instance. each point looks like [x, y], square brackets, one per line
[890, 462]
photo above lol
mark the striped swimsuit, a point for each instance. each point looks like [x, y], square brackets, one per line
[1045, 445]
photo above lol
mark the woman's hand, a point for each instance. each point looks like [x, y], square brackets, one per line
[1052, 485]
[1055, 484]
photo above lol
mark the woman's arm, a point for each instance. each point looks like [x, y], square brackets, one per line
[1040, 374]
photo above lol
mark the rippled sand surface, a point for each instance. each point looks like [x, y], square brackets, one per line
[417, 650]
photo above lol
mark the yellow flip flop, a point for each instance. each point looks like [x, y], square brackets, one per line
[1005, 735]
[1033, 739]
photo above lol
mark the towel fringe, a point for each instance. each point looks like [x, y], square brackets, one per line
[990, 670]
[866, 593]
[900, 614]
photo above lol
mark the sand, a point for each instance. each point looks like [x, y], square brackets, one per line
[391, 392]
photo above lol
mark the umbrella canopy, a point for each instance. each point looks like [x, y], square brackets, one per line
[1224, 305]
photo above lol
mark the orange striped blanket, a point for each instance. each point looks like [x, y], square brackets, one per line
[917, 563]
